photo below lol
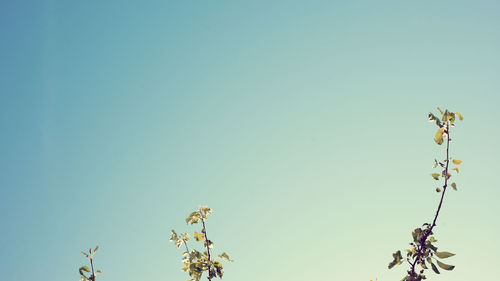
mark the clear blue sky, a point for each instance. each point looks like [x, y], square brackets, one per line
[303, 124]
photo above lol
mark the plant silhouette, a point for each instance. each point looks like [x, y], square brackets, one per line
[196, 262]
[422, 252]
[422, 249]
[90, 270]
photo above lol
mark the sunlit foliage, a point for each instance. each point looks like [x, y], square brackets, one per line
[197, 262]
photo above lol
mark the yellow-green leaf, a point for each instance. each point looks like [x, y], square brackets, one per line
[225, 257]
[397, 259]
[456, 161]
[85, 268]
[432, 239]
[432, 117]
[193, 218]
[443, 255]
[456, 169]
[449, 116]
[435, 176]
[178, 243]
[82, 269]
[459, 116]
[422, 264]
[440, 111]
[209, 244]
[438, 138]
[445, 266]
[198, 236]
[206, 210]
[454, 185]
[434, 268]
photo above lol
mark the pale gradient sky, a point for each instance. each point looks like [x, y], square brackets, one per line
[303, 124]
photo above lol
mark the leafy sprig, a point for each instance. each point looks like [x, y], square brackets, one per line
[90, 256]
[422, 249]
[197, 262]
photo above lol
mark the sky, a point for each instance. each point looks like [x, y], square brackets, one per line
[302, 124]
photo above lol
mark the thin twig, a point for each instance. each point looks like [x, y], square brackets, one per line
[92, 278]
[208, 248]
[445, 177]
[185, 244]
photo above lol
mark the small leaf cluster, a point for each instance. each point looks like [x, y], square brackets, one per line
[422, 251]
[82, 269]
[447, 119]
[444, 123]
[197, 262]
[444, 172]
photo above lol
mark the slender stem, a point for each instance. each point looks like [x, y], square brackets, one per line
[445, 177]
[92, 278]
[185, 244]
[421, 247]
[208, 248]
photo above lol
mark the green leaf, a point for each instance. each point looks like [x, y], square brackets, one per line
[225, 257]
[434, 268]
[209, 244]
[432, 239]
[454, 185]
[445, 266]
[178, 243]
[429, 245]
[435, 176]
[443, 255]
[416, 233]
[82, 269]
[432, 117]
[194, 217]
[198, 236]
[219, 269]
[397, 259]
[173, 237]
[449, 116]
[438, 138]
[206, 210]
[85, 268]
